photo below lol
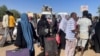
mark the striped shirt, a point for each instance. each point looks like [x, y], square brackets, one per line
[69, 27]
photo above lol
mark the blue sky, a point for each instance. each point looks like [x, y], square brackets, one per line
[57, 5]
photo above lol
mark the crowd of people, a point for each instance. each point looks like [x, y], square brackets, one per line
[74, 33]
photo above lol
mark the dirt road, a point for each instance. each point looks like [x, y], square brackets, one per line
[38, 51]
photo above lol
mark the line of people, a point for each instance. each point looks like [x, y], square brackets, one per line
[74, 32]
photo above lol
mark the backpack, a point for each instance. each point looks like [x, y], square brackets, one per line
[42, 28]
[43, 31]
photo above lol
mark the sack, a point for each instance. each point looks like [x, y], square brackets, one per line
[15, 31]
[18, 52]
[58, 38]
[2, 41]
[62, 39]
[43, 31]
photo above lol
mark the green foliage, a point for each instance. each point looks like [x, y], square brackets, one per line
[15, 13]
[3, 9]
[99, 9]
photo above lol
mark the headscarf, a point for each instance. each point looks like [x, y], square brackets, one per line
[27, 31]
[43, 17]
[63, 21]
[43, 21]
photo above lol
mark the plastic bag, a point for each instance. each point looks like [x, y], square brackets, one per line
[58, 38]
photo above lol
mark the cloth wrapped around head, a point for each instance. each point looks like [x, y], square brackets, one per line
[63, 22]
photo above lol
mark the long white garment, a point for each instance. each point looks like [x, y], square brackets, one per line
[63, 22]
[5, 21]
[5, 25]
[84, 23]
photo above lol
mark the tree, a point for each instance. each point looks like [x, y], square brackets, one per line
[99, 10]
[15, 13]
[3, 8]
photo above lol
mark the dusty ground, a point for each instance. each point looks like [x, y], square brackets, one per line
[38, 51]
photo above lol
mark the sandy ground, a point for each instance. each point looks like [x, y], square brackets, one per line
[38, 51]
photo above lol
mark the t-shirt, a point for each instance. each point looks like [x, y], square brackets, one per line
[5, 21]
[84, 23]
[11, 21]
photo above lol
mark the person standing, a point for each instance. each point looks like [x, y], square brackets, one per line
[50, 41]
[96, 38]
[90, 32]
[61, 31]
[70, 35]
[25, 34]
[41, 23]
[5, 23]
[11, 25]
[47, 29]
[84, 25]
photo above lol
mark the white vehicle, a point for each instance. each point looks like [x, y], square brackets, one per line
[48, 14]
[62, 13]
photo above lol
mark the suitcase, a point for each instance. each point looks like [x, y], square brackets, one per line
[19, 52]
[15, 31]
